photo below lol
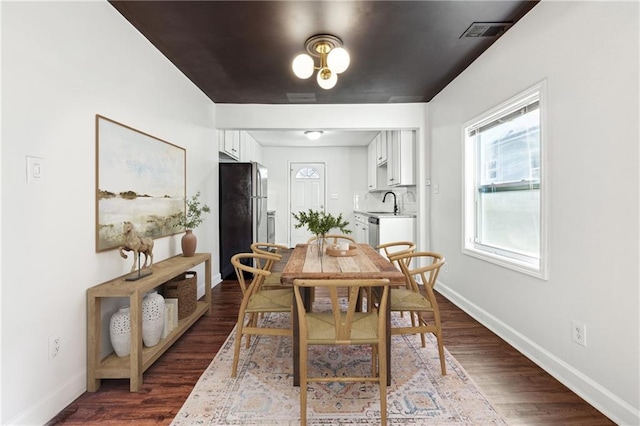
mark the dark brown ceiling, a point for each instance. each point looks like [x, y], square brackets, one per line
[241, 51]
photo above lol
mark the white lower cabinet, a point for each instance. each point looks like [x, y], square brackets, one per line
[397, 229]
[361, 228]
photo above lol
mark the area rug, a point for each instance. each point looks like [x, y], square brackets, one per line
[263, 393]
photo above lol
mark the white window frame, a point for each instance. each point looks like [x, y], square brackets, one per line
[507, 259]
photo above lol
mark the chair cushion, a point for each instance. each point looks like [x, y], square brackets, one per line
[271, 300]
[321, 328]
[408, 300]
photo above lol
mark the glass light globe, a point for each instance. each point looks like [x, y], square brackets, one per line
[302, 66]
[313, 135]
[327, 79]
[338, 60]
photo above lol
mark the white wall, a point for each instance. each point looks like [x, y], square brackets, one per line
[588, 52]
[62, 63]
[345, 174]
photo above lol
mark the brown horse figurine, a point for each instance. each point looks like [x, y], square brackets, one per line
[136, 243]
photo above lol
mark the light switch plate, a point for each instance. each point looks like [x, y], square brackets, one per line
[35, 168]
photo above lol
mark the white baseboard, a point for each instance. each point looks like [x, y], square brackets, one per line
[49, 406]
[595, 394]
[217, 279]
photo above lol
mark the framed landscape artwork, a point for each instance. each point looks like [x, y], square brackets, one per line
[139, 179]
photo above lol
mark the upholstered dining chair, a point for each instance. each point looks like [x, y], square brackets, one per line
[419, 267]
[256, 300]
[343, 325]
[273, 249]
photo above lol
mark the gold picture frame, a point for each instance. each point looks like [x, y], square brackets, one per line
[139, 179]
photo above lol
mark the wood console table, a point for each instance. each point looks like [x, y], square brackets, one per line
[132, 366]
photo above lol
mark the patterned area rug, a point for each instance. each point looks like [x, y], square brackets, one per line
[263, 393]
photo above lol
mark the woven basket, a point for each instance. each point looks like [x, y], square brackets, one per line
[184, 288]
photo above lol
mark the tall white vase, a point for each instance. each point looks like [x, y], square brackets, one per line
[120, 331]
[152, 318]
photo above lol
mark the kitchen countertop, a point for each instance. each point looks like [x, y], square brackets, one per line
[385, 214]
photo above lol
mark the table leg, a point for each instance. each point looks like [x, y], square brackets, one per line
[94, 329]
[135, 355]
[389, 337]
[296, 344]
[307, 297]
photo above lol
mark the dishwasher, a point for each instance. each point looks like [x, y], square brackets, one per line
[374, 231]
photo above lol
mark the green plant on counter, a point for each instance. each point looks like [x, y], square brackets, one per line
[320, 223]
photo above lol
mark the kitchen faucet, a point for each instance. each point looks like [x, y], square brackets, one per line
[395, 201]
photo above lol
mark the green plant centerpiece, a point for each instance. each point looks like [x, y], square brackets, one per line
[320, 223]
[190, 220]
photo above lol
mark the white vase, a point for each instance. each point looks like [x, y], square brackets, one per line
[152, 318]
[120, 331]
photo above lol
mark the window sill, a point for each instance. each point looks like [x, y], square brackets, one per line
[509, 263]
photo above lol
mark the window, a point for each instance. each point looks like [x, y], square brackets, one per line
[504, 208]
[307, 173]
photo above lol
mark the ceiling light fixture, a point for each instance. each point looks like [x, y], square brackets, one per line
[313, 135]
[334, 60]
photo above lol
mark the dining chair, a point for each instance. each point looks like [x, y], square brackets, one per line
[419, 267]
[343, 325]
[333, 239]
[256, 300]
[395, 248]
[273, 249]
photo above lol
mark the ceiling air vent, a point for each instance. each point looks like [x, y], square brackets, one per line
[486, 29]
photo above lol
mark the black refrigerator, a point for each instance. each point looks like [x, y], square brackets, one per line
[243, 210]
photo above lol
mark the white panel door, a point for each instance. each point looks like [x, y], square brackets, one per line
[307, 189]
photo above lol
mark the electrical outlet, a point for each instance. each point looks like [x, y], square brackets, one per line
[54, 346]
[446, 268]
[579, 333]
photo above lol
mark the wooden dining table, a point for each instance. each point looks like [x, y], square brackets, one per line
[306, 262]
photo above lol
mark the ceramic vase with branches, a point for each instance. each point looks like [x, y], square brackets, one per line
[190, 220]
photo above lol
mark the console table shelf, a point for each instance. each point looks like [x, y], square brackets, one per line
[140, 358]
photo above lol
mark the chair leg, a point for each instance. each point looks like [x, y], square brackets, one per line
[374, 361]
[438, 334]
[236, 351]
[443, 366]
[422, 322]
[253, 321]
[382, 362]
[303, 386]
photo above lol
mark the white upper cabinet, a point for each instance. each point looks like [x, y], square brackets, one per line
[376, 175]
[381, 148]
[400, 158]
[372, 166]
[250, 149]
[229, 143]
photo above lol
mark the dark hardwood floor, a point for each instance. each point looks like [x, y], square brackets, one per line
[522, 392]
